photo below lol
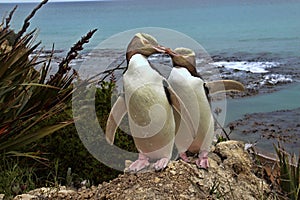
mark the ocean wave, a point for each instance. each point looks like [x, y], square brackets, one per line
[253, 67]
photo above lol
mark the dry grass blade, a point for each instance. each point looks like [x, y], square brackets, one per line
[72, 54]
[8, 19]
[110, 72]
[33, 155]
[27, 21]
[33, 136]
[45, 69]
[40, 85]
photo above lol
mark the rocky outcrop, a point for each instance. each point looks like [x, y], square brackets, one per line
[232, 175]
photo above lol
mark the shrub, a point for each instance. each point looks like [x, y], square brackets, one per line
[65, 149]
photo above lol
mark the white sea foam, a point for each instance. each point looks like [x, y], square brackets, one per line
[254, 67]
[276, 78]
[271, 79]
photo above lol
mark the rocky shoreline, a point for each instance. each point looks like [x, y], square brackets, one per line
[233, 174]
[271, 127]
[273, 74]
[261, 74]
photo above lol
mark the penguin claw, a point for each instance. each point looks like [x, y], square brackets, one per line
[184, 157]
[202, 161]
[141, 163]
[161, 164]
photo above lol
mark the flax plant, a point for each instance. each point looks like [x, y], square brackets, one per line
[29, 96]
[289, 173]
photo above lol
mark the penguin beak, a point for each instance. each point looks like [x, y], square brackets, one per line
[147, 45]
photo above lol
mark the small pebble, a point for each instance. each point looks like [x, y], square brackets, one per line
[173, 172]
[156, 180]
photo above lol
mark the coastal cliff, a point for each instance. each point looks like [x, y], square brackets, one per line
[233, 174]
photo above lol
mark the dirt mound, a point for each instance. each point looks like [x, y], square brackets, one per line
[232, 175]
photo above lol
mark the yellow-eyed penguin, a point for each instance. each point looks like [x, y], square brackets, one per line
[149, 101]
[192, 92]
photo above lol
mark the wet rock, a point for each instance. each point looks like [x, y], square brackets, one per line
[270, 128]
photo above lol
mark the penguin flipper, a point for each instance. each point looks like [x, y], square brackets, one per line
[180, 108]
[219, 86]
[116, 115]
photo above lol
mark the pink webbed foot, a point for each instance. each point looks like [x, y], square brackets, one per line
[184, 157]
[161, 164]
[141, 163]
[202, 161]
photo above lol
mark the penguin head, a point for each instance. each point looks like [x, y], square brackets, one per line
[185, 57]
[141, 43]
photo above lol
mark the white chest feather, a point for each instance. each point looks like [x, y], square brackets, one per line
[146, 101]
[191, 90]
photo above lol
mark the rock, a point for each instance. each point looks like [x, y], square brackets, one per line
[49, 193]
[46, 192]
[235, 175]
[156, 180]
[26, 197]
[234, 156]
[65, 193]
[231, 175]
[173, 172]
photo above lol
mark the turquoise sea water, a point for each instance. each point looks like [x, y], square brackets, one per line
[281, 100]
[269, 29]
[271, 26]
